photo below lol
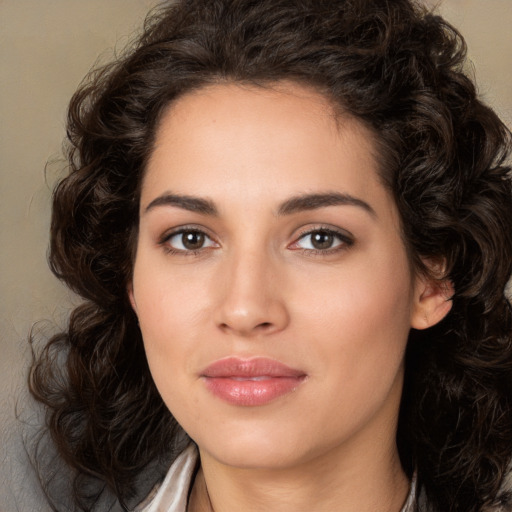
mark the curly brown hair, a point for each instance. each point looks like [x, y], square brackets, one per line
[398, 69]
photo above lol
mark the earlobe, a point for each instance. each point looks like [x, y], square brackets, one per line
[432, 302]
[131, 297]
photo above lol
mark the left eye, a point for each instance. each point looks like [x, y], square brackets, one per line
[190, 240]
[321, 240]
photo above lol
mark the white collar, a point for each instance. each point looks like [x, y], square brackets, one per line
[172, 494]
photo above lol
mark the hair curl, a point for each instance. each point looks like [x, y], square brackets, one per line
[390, 64]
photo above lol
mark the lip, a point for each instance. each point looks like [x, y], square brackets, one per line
[251, 382]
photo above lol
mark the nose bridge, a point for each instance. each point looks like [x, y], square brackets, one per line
[251, 301]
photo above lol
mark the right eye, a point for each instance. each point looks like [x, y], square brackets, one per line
[188, 240]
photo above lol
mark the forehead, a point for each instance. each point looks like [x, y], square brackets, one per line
[260, 140]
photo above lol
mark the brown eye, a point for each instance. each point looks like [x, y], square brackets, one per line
[189, 240]
[322, 240]
[192, 240]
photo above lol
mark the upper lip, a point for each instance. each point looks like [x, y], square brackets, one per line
[255, 367]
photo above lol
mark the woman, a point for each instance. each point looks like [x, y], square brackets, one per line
[290, 222]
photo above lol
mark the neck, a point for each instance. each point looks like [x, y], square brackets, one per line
[322, 485]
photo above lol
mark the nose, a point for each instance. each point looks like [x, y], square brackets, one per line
[251, 301]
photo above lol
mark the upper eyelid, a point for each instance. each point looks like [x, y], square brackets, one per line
[169, 233]
[186, 227]
[343, 233]
[346, 239]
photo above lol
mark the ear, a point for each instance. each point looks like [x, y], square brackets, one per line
[129, 289]
[432, 301]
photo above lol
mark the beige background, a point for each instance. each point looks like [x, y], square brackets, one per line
[46, 47]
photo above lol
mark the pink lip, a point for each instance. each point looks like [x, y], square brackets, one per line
[251, 382]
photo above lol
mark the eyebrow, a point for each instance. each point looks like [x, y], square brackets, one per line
[307, 202]
[296, 204]
[190, 203]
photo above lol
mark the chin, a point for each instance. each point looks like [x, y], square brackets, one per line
[258, 446]
[261, 455]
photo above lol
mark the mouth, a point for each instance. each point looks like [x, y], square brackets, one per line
[251, 382]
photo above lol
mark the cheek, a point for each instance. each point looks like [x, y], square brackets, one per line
[167, 299]
[167, 307]
[170, 349]
[368, 294]
[358, 319]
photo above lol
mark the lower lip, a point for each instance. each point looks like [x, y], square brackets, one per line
[251, 392]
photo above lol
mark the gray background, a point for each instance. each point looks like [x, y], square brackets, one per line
[46, 48]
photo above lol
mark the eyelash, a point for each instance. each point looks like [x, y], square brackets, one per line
[344, 238]
[164, 241]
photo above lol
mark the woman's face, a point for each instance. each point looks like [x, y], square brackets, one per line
[271, 282]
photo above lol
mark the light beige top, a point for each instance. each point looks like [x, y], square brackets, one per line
[172, 494]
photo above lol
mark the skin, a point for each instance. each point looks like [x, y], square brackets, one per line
[258, 288]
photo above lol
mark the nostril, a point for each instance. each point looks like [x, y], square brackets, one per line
[263, 326]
